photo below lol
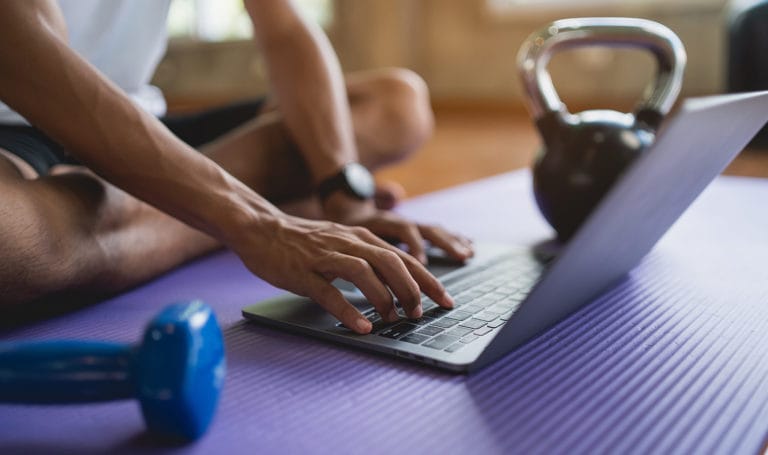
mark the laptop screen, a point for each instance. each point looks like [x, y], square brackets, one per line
[690, 151]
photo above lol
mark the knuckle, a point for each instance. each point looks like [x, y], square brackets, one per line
[389, 256]
[323, 262]
[360, 231]
[411, 263]
[358, 266]
[413, 232]
[406, 228]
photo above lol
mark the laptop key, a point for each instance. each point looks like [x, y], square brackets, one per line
[427, 304]
[495, 310]
[441, 342]
[398, 330]
[444, 323]
[497, 323]
[458, 315]
[454, 347]
[436, 312]
[429, 331]
[486, 316]
[483, 331]
[459, 331]
[414, 338]
[486, 287]
[376, 322]
[464, 298]
[469, 338]
[473, 323]
[485, 301]
[507, 290]
[424, 320]
[472, 308]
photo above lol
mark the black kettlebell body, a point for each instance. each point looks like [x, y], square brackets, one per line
[583, 154]
[580, 162]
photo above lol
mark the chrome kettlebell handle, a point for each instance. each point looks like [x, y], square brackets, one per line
[536, 51]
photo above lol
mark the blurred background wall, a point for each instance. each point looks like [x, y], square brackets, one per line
[465, 49]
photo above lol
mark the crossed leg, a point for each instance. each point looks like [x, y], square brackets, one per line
[72, 233]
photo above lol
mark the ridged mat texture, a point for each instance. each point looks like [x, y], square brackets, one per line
[673, 360]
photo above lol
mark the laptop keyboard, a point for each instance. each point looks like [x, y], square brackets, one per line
[485, 298]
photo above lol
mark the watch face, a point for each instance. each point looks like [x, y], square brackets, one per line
[360, 180]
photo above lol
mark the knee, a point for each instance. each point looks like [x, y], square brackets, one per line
[405, 115]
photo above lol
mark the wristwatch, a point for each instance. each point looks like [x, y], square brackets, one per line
[354, 179]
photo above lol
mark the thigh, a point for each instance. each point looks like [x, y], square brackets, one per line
[72, 233]
[32, 258]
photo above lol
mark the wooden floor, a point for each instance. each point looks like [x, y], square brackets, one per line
[472, 143]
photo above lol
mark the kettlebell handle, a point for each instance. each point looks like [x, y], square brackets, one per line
[564, 34]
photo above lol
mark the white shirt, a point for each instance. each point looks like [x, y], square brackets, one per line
[124, 39]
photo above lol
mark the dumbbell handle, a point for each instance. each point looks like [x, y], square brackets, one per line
[65, 372]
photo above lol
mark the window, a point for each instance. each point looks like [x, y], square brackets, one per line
[565, 8]
[223, 20]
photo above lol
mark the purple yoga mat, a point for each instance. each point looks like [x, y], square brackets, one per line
[673, 360]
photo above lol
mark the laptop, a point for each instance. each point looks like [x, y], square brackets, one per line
[509, 294]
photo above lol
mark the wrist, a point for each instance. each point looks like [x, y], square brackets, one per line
[352, 180]
[240, 212]
[339, 206]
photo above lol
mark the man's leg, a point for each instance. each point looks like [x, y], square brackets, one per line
[75, 233]
[392, 118]
[72, 232]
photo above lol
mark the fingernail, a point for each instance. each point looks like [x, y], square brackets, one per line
[462, 250]
[423, 258]
[417, 312]
[447, 299]
[393, 316]
[363, 325]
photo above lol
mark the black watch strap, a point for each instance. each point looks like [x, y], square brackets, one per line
[353, 179]
[331, 185]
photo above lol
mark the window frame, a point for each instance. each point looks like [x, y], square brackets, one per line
[538, 10]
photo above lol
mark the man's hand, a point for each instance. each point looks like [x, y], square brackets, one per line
[304, 257]
[391, 226]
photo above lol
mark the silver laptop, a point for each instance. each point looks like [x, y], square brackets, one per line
[508, 294]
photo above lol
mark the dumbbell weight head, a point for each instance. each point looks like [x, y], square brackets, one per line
[180, 370]
[176, 373]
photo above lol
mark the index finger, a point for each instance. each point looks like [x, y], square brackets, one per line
[330, 298]
[457, 247]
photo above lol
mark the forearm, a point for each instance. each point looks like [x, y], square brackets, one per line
[308, 84]
[58, 92]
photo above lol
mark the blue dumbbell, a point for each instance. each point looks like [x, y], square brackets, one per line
[176, 373]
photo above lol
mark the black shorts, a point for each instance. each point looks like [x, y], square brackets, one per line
[42, 152]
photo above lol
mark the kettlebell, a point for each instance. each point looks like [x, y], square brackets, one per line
[583, 154]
